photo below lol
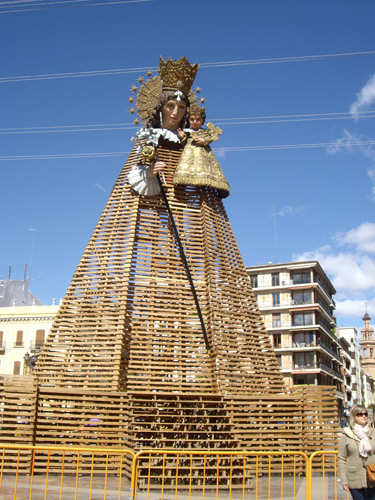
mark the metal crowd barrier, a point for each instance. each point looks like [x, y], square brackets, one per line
[92, 473]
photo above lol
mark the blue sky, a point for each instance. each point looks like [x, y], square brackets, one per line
[291, 84]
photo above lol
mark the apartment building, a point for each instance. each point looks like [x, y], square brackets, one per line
[24, 325]
[296, 302]
[347, 374]
[351, 335]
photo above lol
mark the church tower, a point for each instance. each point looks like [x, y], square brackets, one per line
[368, 346]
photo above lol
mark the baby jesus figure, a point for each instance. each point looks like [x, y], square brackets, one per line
[198, 165]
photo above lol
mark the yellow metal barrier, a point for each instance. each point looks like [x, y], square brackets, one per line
[323, 477]
[172, 474]
[64, 473]
[91, 473]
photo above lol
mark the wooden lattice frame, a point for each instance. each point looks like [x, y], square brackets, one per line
[129, 321]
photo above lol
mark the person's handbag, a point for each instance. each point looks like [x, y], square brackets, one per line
[370, 469]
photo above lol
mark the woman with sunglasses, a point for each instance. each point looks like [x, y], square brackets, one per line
[356, 449]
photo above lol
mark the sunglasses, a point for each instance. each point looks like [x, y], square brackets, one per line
[362, 414]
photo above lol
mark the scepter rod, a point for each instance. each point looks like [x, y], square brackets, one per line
[184, 260]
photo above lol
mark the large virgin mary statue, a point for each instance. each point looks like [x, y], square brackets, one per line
[130, 320]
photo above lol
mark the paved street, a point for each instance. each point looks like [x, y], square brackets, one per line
[102, 489]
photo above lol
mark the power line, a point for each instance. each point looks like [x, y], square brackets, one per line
[222, 149]
[121, 71]
[297, 146]
[218, 121]
[34, 5]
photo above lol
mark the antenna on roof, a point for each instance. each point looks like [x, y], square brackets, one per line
[10, 272]
[24, 274]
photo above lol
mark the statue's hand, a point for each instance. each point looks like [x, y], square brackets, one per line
[153, 169]
[200, 141]
[181, 134]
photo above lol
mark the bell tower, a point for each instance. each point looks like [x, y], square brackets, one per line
[368, 346]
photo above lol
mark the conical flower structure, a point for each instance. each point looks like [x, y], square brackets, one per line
[129, 320]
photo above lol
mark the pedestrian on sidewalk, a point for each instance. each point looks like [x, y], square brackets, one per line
[356, 450]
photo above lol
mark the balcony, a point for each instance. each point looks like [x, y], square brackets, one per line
[327, 311]
[270, 286]
[35, 346]
[295, 346]
[299, 345]
[309, 366]
[329, 351]
[326, 329]
[18, 345]
[318, 366]
[329, 370]
[323, 287]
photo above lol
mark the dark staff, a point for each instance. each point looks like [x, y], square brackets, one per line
[183, 257]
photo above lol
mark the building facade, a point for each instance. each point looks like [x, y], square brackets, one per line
[368, 384]
[296, 302]
[351, 335]
[347, 374]
[368, 347]
[24, 325]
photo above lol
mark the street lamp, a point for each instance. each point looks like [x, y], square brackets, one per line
[30, 362]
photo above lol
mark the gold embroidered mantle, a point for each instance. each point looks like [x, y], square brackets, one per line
[199, 167]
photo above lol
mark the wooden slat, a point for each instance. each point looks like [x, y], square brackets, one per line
[129, 321]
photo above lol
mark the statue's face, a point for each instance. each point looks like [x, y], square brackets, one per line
[196, 121]
[172, 113]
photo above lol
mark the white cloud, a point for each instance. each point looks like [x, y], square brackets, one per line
[355, 308]
[365, 98]
[352, 143]
[220, 152]
[349, 262]
[371, 174]
[289, 210]
[355, 143]
[350, 273]
[99, 186]
[361, 237]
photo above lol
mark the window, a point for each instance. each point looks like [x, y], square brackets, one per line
[365, 353]
[275, 299]
[254, 281]
[304, 379]
[303, 318]
[301, 277]
[1, 339]
[304, 360]
[303, 339]
[277, 341]
[371, 352]
[39, 338]
[303, 297]
[17, 368]
[276, 320]
[275, 279]
[19, 339]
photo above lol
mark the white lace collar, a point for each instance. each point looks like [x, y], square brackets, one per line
[152, 135]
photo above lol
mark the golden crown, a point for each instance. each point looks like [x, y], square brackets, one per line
[197, 110]
[177, 75]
